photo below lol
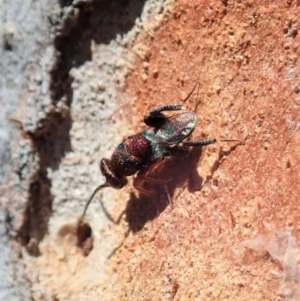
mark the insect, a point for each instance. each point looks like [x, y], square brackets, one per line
[140, 153]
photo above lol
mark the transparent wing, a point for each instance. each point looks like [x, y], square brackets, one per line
[176, 128]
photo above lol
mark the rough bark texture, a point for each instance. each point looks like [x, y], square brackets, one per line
[77, 77]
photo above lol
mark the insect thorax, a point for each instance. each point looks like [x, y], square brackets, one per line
[133, 153]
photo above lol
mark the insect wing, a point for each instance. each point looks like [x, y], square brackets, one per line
[176, 128]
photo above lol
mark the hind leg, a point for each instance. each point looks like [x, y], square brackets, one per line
[182, 149]
[142, 177]
[156, 118]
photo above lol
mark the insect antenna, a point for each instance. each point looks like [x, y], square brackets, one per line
[196, 102]
[189, 95]
[92, 196]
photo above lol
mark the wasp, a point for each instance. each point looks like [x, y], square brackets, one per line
[141, 153]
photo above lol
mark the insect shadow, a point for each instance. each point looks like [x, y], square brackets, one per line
[142, 208]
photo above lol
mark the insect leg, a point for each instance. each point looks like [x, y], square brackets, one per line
[137, 184]
[181, 150]
[142, 177]
[200, 142]
[156, 118]
[177, 151]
